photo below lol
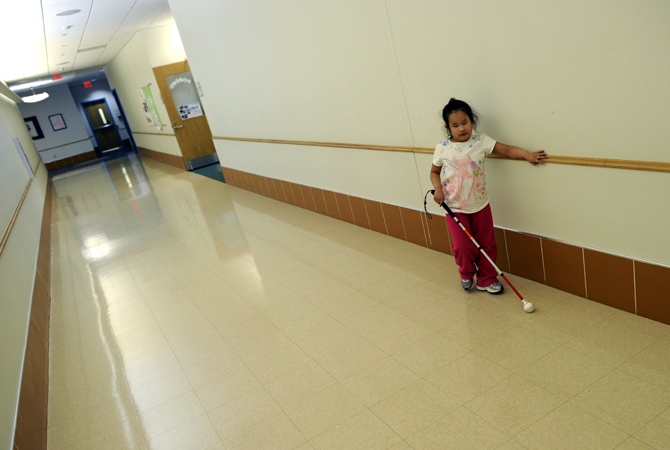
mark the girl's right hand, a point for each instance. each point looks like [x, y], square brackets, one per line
[439, 196]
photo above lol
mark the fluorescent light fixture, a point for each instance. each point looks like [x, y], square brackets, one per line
[69, 12]
[35, 97]
[32, 84]
[91, 48]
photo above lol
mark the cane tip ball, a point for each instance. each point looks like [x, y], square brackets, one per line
[528, 307]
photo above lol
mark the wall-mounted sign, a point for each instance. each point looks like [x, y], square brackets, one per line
[57, 122]
[190, 111]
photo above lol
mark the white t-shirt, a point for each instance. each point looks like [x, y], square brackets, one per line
[462, 173]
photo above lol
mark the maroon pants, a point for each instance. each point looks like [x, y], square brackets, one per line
[470, 260]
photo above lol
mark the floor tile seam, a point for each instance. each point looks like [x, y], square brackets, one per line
[193, 389]
[366, 409]
[517, 372]
[331, 315]
[264, 419]
[617, 366]
[420, 429]
[246, 363]
[282, 409]
[615, 426]
[460, 406]
[317, 361]
[572, 396]
[665, 388]
[394, 322]
[471, 347]
[511, 374]
[70, 434]
[660, 337]
[634, 375]
[657, 338]
[393, 429]
[563, 402]
[635, 434]
[518, 443]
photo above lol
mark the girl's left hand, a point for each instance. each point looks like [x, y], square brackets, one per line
[536, 158]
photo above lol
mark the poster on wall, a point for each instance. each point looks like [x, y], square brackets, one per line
[149, 106]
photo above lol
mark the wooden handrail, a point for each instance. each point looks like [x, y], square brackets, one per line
[154, 134]
[570, 160]
[8, 230]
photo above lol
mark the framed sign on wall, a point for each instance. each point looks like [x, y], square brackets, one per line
[57, 122]
[34, 128]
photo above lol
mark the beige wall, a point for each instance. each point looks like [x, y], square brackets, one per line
[577, 78]
[132, 68]
[18, 259]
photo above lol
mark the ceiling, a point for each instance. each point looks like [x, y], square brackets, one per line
[37, 40]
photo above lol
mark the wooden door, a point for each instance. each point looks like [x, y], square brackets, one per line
[192, 129]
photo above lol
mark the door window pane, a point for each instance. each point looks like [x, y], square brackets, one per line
[185, 95]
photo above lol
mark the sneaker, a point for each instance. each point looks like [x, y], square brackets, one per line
[495, 288]
[467, 284]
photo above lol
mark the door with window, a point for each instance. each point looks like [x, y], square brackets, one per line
[105, 130]
[187, 115]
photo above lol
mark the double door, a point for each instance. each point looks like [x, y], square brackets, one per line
[105, 130]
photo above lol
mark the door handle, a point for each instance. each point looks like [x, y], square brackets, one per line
[176, 127]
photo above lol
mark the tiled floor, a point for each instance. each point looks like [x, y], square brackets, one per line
[188, 314]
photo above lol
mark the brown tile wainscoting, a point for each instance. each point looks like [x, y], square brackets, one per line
[71, 161]
[172, 160]
[633, 286]
[31, 424]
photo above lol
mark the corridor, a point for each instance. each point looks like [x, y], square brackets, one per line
[189, 314]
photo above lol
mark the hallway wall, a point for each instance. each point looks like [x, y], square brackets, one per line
[18, 258]
[131, 69]
[573, 78]
[61, 144]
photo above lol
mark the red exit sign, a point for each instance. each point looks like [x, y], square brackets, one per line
[57, 76]
[87, 84]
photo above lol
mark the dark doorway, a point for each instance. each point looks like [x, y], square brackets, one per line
[122, 116]
[105, 130]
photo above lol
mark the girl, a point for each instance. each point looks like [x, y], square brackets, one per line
[458, 178]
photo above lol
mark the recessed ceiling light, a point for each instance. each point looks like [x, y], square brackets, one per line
[67, 27]
[69, 12]
[65, 34]
[62, 64]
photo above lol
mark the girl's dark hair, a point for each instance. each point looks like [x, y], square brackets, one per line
[458, 105]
